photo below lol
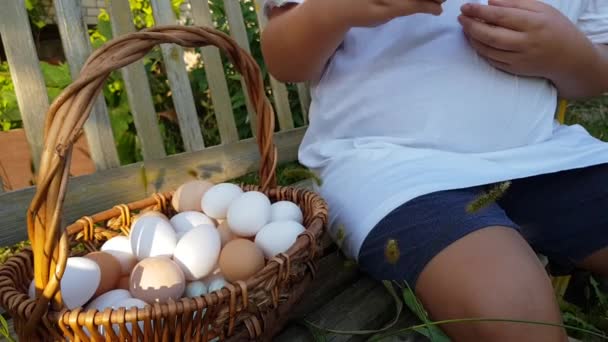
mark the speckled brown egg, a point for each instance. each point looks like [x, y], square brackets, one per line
[110, 271]
[240, 259]
[156, 280]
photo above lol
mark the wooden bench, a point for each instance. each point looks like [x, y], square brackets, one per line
[340, 297]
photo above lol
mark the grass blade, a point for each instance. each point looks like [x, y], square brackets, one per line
[476, 320]
[398, 307]
[431, 332]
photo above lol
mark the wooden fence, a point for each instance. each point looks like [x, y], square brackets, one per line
[113, 183]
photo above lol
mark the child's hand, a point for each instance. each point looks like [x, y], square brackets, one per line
[369, 13]
[524, 37]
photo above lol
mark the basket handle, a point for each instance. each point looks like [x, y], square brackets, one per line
[67, 115]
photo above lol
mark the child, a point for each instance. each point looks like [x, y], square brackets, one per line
[419, 106]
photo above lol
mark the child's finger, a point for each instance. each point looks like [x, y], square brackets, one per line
[424, 6]
[529, 5]
[492, 53]
[494, 36]
[512, 18]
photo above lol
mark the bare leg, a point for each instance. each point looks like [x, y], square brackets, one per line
[597, 263]
[491, 273]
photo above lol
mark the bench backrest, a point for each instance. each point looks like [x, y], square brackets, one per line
[113, 183]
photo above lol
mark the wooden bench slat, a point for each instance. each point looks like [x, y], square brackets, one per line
[238, 32]
[137, 87]
[364, 305]
[102, 190]
[333, 277]
[279, 90]
[25, 72]
[181, 91]
[77, 48]
[214, 69]
[304, 97]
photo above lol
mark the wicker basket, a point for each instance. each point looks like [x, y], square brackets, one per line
[255, 309]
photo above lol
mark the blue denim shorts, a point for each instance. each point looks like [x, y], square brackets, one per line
[563, 216]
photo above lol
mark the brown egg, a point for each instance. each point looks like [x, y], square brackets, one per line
[240, 259]
[225, 234]
[124, 282]
[188, 196]
[156, 280]
[110, 271]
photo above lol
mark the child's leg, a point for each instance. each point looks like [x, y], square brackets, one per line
[462, 268]
[564, 216]
[491, 273]
[597, 262]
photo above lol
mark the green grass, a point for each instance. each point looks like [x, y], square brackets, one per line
[591, 114]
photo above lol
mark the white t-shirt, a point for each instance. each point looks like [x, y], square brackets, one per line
[409, 108]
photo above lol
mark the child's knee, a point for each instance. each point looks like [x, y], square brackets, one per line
[492, 273]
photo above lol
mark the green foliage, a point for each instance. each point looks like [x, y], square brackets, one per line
[57, 77]
[432, 332]
[37, 13]
[591, 114]
[7, 252]
[288, 173]
[9, 110]
[593, 317]
[122, 122]
[4, 332]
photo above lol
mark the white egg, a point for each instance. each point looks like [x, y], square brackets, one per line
[217, 199]
[286, 211]
[152, 236]
[120, 248]
[278, 237]
[187, 220]
[151, 213]
[197, 252]
[108, 299]
[196, 289]
[249, 213]
[215, 282]
[80, 281]
[31, 290]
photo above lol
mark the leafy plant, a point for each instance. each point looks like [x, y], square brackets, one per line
[432, 332]
[9, 110]
[37, 13]
[592, 315]
[4, 331]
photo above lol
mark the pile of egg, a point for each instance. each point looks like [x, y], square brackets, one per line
[220, 234]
